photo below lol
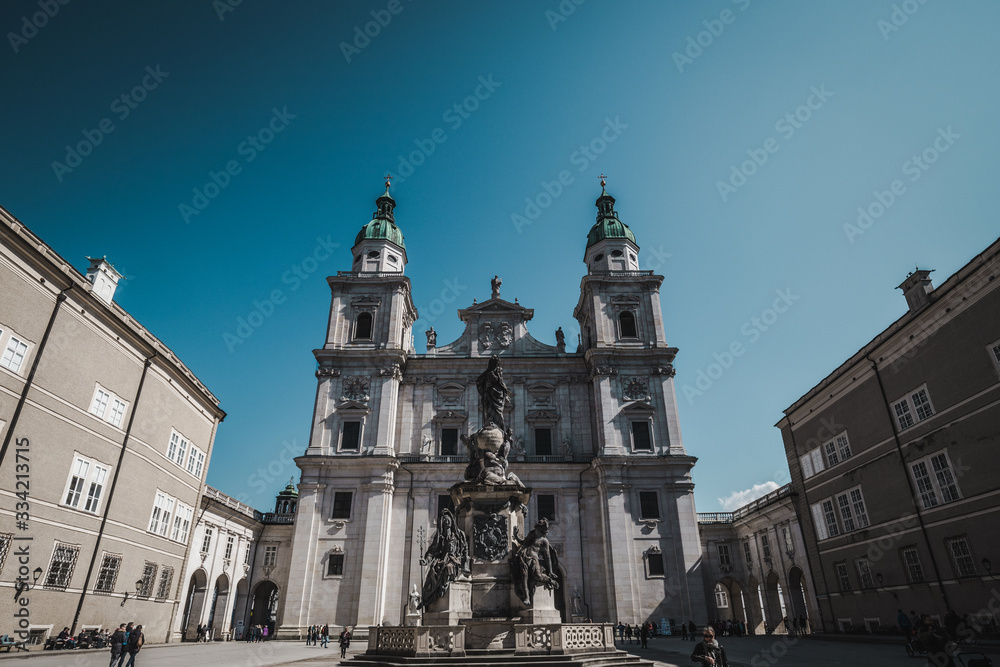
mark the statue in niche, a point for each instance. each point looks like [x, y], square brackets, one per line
[533, 563]
[576, 600]
[447, 558]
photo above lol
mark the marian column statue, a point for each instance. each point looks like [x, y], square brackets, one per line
[489, 446]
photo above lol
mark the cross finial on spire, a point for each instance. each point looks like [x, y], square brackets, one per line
[603, 180]
[388, 177]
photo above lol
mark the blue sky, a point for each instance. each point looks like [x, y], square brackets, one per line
[739, 139]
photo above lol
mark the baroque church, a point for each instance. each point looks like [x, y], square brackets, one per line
[596, 439]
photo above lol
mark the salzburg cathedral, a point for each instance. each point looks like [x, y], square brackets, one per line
[595, 437]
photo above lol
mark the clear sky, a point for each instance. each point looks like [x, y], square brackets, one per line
[739, 138]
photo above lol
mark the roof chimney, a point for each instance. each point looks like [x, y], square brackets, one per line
[104, 278]
[917, 289]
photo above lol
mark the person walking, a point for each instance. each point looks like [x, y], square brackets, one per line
[325, 634]
[708, 651]
[684, 631]
[117, 646]
[621, 631]
[135, 642]
[345, 642]
[628, 632]
[692, 630]
[264, 634]
[644, 634]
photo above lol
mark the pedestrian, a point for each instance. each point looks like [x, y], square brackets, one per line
[326, 635]
[684, 631]
[117, 646]
[692, 630]
[263, 633]
[644, 634]
[708, 651]
[345, 642]
[621, 631]
[135, 642]
[628, 632]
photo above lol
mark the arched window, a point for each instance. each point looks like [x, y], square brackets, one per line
[626, 325]
[363, 327]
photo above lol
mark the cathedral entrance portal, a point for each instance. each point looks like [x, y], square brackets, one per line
[264, 608]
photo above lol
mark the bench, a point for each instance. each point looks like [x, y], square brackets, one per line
[8, 643]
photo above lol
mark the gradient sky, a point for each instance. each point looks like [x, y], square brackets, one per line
[691, 90]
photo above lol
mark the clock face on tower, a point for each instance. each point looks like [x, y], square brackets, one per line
[636, 388]
[356, 388]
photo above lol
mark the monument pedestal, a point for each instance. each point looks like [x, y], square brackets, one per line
[454, 606]
[542, 612]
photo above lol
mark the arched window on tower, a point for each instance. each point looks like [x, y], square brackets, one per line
[626, 325]
[363, 327]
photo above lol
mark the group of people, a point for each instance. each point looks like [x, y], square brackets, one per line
[639, 633]
[126, 639]
[321, 635]
[256, 633]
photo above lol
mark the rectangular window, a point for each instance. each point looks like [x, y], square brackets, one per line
[192, 457]
[817, 456]
[838, 450]
[721, 598]
[787, 537]
[117, 412]
[831, 519]
[100, 404]
[914, 407]
[61, 567]
[831, 453]
[449, 442]
[546, 506]
[842, 576]
[640, 436]
[807, 466]
[858, 505]
[351, 437]
[5, 542]
[108, 574]
[78, 478]
[181, 452]
[961, 556]
[846, 516]
[746, 553]
[14, 355]
[543, 442]
[159, 520]
[182, 523]
[935, 480]
[96, 487]
[765, 546]
[230, 543]
[924, 486]
[206, 542]
[865, 573]
[335, 565]
[163, 588]
[342, 505]
[246, 556]
[654, 562]
[911, 561]
[724, 558]
[649, 505]
[148, 577]
[994, 351]
[199, 464]
[270, 555]
[944, 478]
[172, 447]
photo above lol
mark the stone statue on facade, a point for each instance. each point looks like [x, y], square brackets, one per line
[495, 285]
[489, 446]
[447, 558]
[414, 605]
[431, 338]
[560, 337]
[494, 395]
[533, 563]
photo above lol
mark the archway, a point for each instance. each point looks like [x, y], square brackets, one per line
[797, 598]
[264, 607]
[728, 597]
[217, 613]
[238, 619]
[773, 603]
[194, 604]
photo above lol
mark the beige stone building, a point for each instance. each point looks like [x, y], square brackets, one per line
[107, 437]
[755, 565]
[596, 428]
[894, 459]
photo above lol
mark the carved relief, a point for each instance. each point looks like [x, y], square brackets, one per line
[490, 537]
[327, 372]
[540, 638]
[506, 335]
[667, 370]
[492, 334]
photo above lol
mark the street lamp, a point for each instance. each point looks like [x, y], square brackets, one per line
[138, 589]
[879, 578]
[988, 566]
[22, 585]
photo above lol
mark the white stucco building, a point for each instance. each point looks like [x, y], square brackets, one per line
[596, 430]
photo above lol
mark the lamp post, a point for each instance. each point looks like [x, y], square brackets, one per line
[22, 585]
[988, 566]
[138, 590]
[879, 578]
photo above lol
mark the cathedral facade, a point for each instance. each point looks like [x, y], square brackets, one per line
[595, 430]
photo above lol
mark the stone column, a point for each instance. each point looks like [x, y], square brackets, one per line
[376, 551]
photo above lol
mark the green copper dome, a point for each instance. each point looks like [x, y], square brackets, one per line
[383, 225]
[608, 225]
[382, 230]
